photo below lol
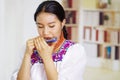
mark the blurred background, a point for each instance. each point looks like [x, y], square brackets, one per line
[16, 26]
[84, 19]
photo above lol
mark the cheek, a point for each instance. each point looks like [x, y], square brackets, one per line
[57, 32]
[40, 32]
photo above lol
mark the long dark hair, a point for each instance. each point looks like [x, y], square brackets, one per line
[52, 7]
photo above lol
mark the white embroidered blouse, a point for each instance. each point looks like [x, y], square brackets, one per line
[70, 62]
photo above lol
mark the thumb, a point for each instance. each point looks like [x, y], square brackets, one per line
[53, 45]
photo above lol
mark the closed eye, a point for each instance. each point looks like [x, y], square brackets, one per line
[52, 26]
[40, 27]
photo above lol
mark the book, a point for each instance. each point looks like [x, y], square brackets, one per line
[69, 31]
[101, 18]
[100, 36]
[118, 37]
[114, 37]
[93, 34]
[107, 36]
[74, 17]
[87, 33]
[117, 52]
[99, 50]
[97, 32]
[108, 52]
[70, 3]
[72, 30]
[70, 17]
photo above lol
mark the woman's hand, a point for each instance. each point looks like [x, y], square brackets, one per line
[24, 72]
[29, 47]
[44, 50]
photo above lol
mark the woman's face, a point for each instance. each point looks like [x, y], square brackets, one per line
[49, 25]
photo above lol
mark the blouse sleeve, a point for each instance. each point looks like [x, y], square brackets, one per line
[73, 64]
[14, 75]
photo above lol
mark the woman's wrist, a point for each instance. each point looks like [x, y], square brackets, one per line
[27, 53]
[47, 58]
[27, 56]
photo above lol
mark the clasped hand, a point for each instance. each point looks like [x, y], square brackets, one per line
[42, 47]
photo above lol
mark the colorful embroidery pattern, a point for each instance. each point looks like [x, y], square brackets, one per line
[58, 56]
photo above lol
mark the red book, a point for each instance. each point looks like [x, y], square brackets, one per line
[70, 3]
[74, 17]
[87, 33]
[69, 31]
[105, 36]
[118, 37]
[97, 32]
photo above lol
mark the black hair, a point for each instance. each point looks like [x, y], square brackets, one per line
[52, 7]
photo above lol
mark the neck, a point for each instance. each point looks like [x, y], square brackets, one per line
[59, 43]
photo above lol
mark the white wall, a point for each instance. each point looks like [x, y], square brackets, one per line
[11, 23]
[16, 26]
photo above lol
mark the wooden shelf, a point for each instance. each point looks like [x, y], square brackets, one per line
[92, 42]
[103, 10]
[71, 25]
[110, 44]
[107, 28]
[101, 43]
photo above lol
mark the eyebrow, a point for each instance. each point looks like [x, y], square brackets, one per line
[41, 23]
[38, 23]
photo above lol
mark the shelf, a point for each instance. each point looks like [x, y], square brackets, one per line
[110, 44]
[107, 28]
[71, 25]
[101, 43]
[103, 10]
[92, 42]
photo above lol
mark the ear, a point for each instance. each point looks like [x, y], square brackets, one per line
[63, 23]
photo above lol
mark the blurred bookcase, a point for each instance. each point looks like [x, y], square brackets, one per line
[71, 12]
[101, 37]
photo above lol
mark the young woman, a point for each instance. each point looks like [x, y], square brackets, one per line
[61, 59]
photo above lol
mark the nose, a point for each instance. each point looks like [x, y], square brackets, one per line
[46, 31]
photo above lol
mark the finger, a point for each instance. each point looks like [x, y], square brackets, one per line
[37, 44]
[30, 43]
[42, 42]
[53, 45]
[29, 46]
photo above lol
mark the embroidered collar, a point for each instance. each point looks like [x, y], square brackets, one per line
[57, 56]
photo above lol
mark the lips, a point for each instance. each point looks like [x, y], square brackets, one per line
[47, 38]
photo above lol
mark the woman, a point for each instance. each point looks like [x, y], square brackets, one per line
[58, 60]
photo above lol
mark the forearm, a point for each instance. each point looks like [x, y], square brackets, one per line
[50, 69]
[24, 72]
